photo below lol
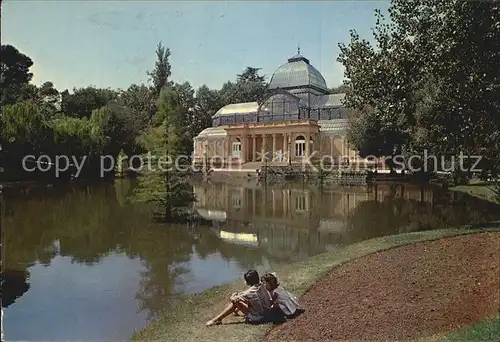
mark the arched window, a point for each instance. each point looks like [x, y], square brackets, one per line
[300, 146]
[236, 148]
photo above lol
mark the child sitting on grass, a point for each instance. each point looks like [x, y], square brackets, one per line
[284, 300]
[254, 302]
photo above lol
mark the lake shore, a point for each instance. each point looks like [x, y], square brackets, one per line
[186, 320]
[482, 190]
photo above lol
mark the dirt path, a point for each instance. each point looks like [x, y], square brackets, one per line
[403, 293]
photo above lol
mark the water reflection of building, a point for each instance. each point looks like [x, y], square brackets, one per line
[284, 221]
[292, 220]
[406, 191]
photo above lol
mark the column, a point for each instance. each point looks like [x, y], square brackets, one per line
[254, 148]
[226, 155]
[332, 146]
[263, 147]
[292, 146]
[308, 143]
[320, 142]
[274, 149]
[284, 152]
[243, 148]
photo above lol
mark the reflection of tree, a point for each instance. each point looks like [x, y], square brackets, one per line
[123, 188]
[164, 254]
[14, 285]
[396, 215]
[89, 223]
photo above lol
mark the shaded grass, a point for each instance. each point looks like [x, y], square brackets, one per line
[185, 322]
[481, 190]
[487, 329]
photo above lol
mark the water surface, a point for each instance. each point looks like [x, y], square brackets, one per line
[84, 263]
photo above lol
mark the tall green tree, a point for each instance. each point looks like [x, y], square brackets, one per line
[162, 70]
[165, 185]
[15, 74]
[250, 85]
[430, 78]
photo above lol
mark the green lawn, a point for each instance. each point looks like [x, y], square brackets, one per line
[185, 322]
[486, 330]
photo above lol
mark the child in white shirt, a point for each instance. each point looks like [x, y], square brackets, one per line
[287, 302]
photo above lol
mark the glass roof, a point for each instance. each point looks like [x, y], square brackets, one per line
[333, 127]
[238, 108]
[296, 73]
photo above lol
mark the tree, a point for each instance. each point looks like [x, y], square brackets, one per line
[23, 125]
[84, 100]
[141, 101]
[48, 93]
[14, 73]
[380, 82]
[207, 103]
[24, 132]
[161, 72]
[341, 89]
[251, 75]
[250, 85]
[431, 78]
[165, 185]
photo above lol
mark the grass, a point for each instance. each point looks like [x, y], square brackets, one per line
[185, 321]
[478, 189]
[487, 329]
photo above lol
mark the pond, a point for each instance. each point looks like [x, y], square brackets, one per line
[82, 262]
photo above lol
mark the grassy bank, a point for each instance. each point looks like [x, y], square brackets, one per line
[186, 321]
[486, 330]
[478, 189]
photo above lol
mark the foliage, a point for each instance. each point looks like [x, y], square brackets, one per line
[23, 127]
[164, 184]
[14, 73]
[141, 102]
[73, 136]
[431, 79]
[162, 71]
[121, 164]
[341, 89]
[83, 101]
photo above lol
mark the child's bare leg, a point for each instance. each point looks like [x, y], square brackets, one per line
[230, 308]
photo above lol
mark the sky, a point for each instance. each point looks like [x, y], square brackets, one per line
[112, 43]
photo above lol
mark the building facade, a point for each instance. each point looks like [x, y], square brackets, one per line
[297, 118]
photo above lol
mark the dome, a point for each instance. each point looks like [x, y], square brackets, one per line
[298, 72]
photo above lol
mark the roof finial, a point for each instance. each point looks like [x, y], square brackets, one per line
[298, 48]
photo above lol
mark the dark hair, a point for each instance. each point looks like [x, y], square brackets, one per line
[252, 277]
[271, 279]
